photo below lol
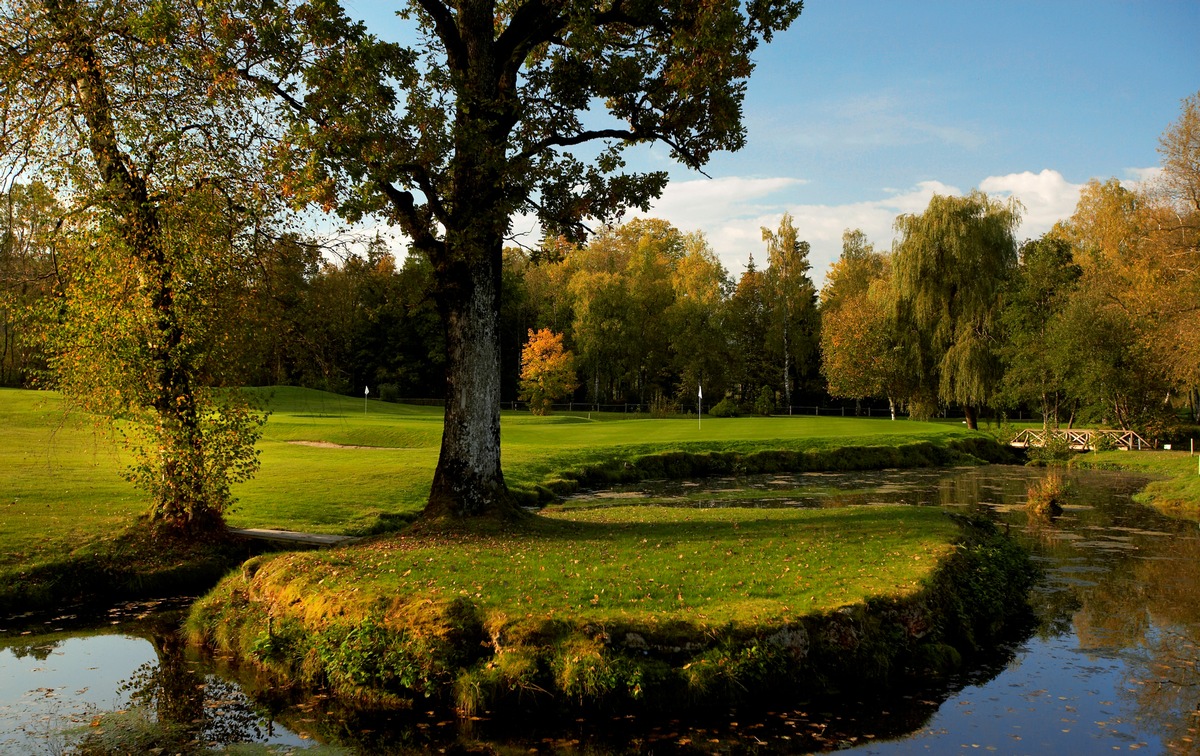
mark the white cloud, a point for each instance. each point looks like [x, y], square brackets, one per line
[1047, 198]
[696, 203]
[1140, 177]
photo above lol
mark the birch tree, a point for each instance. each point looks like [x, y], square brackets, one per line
[794, 324]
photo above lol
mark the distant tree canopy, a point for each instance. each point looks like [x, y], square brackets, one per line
[27, 276]
[858, 330]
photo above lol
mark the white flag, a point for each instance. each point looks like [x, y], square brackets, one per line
[700, 391]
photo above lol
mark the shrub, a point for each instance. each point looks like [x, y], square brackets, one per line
[1103, 442]
[661, 407]
[765, 402]
[1057, 451]
[724, 408]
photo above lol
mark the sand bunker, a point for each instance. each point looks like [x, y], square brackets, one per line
[330, 445]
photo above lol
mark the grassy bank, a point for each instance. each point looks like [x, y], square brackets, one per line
[623, 606]
[1176, 490]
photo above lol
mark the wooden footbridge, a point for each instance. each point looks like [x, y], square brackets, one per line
[1082, 439]
[292, 538]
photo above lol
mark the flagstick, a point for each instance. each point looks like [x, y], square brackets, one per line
[699, 405]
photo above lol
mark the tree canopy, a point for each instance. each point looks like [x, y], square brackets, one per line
[951, 264]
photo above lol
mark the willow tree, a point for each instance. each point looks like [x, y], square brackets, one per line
[100, 102]
[493, 109]
[951, 265]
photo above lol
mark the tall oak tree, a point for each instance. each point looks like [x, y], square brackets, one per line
[490, 109]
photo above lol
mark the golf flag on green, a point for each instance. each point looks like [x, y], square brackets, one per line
[699, 403]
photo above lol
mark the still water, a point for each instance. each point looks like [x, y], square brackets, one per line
[1108, 664]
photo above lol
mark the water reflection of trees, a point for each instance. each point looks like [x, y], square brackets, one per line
[190, 707]
[1127, 581]
[212, 710]
[1149, 605]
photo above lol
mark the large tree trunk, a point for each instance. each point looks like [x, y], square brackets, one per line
[972, 417]
[468, 480]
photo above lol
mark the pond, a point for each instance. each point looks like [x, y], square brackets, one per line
[1109, 663]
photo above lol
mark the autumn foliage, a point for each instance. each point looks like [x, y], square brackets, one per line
[547, 371]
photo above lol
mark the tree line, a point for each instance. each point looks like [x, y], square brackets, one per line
[1093, 322]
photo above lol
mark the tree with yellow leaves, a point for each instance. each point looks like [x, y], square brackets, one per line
[547, 371]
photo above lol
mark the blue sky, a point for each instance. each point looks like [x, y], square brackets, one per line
[865, 108]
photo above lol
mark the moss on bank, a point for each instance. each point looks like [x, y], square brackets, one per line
[639, 608]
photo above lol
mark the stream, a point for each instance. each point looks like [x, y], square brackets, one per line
[1109, 662]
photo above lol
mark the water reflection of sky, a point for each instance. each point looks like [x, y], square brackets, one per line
[1053, 698]
[48, 687]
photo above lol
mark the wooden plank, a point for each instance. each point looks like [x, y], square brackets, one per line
[291, 536]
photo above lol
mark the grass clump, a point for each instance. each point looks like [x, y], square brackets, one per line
[621, 606]
[1048, 493]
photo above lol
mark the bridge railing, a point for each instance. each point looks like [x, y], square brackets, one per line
[1083, 439]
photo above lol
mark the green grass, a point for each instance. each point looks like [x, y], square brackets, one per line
[348, 489]
[596, 607]
[1177, 490]
[62, 484]
[708, 566]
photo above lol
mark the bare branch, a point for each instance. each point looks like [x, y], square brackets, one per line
[447, 31]
[625, 135]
